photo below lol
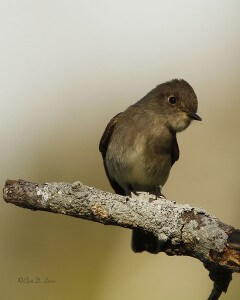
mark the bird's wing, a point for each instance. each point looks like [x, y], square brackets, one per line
[174, 149]
[103, 145]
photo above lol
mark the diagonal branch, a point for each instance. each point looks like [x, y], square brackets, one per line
[180, 229]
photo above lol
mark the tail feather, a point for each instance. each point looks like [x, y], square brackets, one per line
[142, 241]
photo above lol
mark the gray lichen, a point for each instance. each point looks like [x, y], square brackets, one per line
[180, 228]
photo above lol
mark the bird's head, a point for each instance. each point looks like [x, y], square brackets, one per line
[177, 103]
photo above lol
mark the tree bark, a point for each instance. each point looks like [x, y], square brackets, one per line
[180, 228]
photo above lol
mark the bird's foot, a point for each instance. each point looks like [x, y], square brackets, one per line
[158, 194]
[134, 193]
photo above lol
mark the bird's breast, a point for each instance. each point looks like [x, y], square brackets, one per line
[135, 162]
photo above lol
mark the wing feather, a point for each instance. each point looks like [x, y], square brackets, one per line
[103, 146]
[174, 149]
[107, 134]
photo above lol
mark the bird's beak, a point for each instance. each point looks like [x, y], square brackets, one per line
[194, 116]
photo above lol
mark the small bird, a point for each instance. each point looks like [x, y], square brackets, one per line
[139, 145]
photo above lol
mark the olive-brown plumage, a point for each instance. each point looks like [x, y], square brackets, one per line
[139, 145]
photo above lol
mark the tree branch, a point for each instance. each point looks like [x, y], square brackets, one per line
[180, 229]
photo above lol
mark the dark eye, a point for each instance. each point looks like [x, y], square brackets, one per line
[172, 100]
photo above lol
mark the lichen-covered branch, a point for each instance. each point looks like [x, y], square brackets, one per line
[180, 229]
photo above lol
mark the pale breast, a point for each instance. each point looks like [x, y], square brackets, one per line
[130, 161]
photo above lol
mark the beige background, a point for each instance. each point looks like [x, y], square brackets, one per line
[67, 67]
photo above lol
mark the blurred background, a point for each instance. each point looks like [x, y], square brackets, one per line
[67, 67]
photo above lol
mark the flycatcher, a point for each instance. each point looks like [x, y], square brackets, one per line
[139, 145]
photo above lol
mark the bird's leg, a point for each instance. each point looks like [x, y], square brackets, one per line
[158, 192]
[131, 191]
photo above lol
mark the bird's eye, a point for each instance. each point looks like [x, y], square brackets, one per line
[172, 100]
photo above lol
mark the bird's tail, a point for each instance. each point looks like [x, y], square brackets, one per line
[142, 241]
